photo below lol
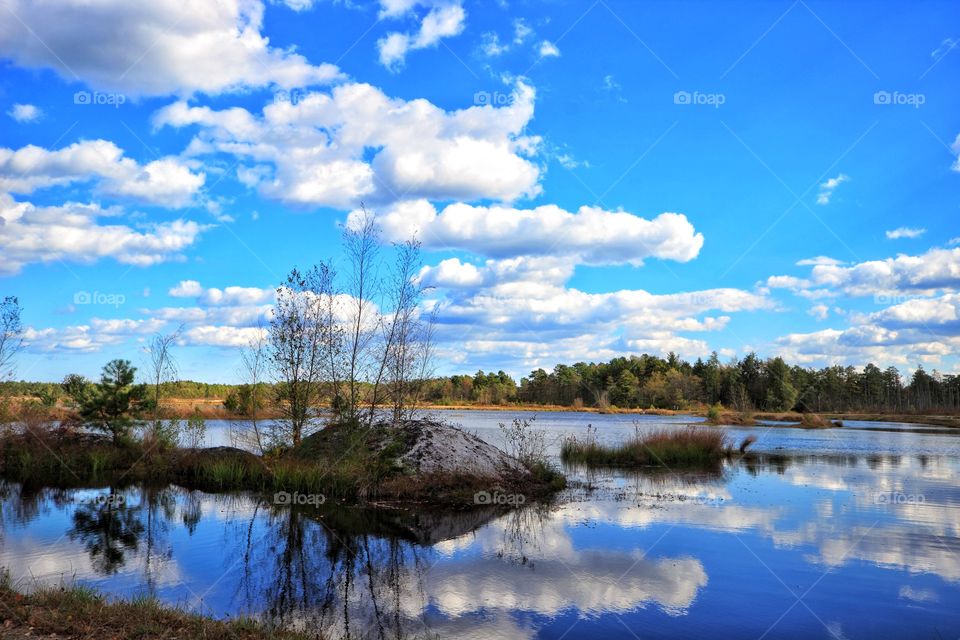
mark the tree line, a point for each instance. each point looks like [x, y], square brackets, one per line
[749, 383]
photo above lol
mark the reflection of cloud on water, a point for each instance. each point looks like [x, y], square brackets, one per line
[918, 595]
[52, 562]
[596, 582]
[727, 517]
[526, 560]
[910, 502]
[892, 547]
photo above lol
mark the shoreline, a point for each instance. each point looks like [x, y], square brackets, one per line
[213, 409]
[77, 611]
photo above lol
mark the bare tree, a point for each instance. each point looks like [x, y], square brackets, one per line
[254, 360]
[11, 335]
[403, 332]
[162, 365]
[299, 345]
[423, 357]
[361, 242]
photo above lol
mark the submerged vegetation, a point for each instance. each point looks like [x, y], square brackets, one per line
[666, 448]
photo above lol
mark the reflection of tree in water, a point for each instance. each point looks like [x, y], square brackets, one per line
[523, 532]
[113, 526]
[192, 511]
[20, 505]
[108, 530]
[333, 579]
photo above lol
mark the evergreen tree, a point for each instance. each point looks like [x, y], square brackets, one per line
[113, 403]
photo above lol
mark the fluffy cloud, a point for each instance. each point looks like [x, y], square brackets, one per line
[827, 188]
[904, 232]
[819, 311]
[444, 19]
[222, 336]
[916, 330]
[230, 296]
[71, 232]
[88, 337]
[817, 261]
[334, 149]
[514, 305]
[25, 113]
[922, 274]
[933, 315]
[857, 345]
[591, 235]
[167, 181]
[519, 311]
[548, 50]
[155, 48]
[491, 46]
[219, 317]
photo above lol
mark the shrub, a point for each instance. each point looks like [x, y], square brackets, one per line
[196, 430]
[523, 442]
[713, 413]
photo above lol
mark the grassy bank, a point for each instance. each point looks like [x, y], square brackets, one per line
[684, 448]
[357, 465]
[79, 612]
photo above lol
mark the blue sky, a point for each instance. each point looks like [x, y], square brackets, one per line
[589, 179]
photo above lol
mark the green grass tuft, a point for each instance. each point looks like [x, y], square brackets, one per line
[682, 448]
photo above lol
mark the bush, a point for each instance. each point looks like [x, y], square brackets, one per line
[713, 413]
[196, 430]
[526, 444]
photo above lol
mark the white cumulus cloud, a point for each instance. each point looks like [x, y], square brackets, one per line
[443, 19]
[154, 48]
[355, 143]
[25, 113]
[591, 235]
[72, 232]
[827, 188]
[166, 182]
[905, 232]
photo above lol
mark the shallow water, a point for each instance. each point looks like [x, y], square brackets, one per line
[856, 536]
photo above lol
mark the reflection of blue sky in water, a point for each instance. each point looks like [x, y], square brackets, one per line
[661, 556]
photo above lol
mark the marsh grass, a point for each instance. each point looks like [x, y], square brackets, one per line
[668, 448]
[816, 421]
[81, 612]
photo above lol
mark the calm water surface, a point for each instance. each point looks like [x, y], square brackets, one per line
[857, 535]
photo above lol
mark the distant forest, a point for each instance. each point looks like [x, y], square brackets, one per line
[750, 383]
[672, 383]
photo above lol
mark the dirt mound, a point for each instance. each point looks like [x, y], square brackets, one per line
[433, 447]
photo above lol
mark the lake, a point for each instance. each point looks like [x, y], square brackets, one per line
[852, 533]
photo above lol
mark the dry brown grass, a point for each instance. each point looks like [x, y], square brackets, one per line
[78, 612]
[670, 448]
